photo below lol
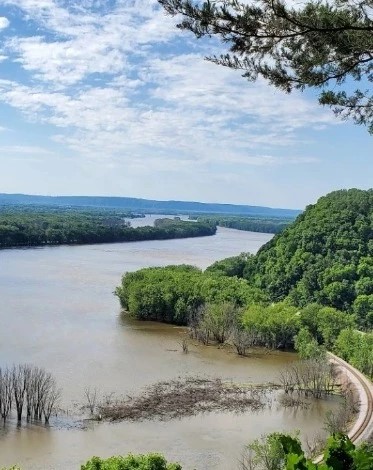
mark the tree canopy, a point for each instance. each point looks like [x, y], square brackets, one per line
[171, 294]
[325, 256]
[315, 44]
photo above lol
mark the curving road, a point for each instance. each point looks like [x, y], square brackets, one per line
[363, 426]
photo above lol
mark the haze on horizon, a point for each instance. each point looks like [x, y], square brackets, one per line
[109, 98]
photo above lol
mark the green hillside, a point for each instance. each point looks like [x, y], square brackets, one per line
[325, 256]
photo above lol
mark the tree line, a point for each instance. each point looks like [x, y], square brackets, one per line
[37, 228]
[249, 224]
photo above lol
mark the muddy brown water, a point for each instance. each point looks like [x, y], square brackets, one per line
[58, 311]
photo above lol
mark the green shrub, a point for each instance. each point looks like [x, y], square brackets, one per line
[131, 462]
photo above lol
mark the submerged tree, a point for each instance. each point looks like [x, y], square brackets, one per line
[28, 388]
[315, 44]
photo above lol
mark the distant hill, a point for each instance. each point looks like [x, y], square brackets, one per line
[146, 205]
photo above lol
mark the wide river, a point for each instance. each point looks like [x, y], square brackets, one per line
[58, 311]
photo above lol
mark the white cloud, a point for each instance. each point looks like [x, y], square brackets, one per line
[4, 22]
[116, 84]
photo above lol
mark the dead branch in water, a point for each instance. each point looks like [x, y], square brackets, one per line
[184, 397]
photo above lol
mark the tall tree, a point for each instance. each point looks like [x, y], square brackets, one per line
[317, 44]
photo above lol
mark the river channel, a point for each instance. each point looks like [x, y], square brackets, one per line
[58, 311]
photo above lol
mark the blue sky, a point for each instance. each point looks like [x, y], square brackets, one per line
[109, 98]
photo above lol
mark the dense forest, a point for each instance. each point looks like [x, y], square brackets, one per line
[249, 224]
[325, 256]
[36, 227]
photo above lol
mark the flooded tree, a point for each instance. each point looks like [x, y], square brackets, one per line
[6, 396]
[310, 377]
[219, 319]
[198, 329]
[91, 398]
[28, 388]
[20, 376]
[242, 340]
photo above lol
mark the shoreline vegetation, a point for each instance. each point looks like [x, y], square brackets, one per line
[46, 227]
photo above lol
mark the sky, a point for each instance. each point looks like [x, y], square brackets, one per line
[110, 98]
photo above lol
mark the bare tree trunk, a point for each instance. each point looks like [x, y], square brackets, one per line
[51, 398]
[5, 393]
[19, 380]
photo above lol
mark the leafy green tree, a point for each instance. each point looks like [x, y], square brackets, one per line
[219, 320]
[307, 346]
[309, 318]
[35, 226]
[356, 348]
[274, 326]
[233, 266]
[265, 453]
[261, 224]
[314, 45]
[331, 322]
[347, 343]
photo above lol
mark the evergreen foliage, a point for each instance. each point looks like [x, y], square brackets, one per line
[317, 44]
